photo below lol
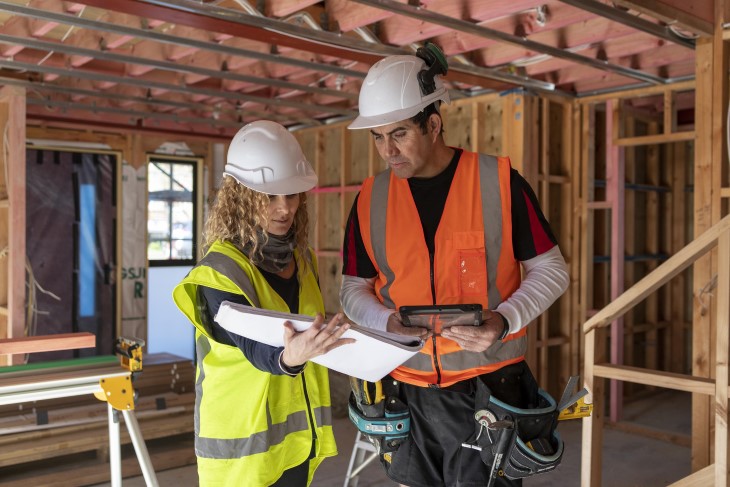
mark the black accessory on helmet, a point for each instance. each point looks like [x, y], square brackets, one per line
[436, 64]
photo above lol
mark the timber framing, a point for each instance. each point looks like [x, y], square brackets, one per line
[633, 178]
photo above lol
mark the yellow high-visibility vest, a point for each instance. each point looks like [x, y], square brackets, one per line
[250, 426]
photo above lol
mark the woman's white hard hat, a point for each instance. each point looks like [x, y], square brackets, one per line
[266, 157]
[391, 93]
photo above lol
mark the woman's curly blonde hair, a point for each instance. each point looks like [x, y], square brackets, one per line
[238, 213]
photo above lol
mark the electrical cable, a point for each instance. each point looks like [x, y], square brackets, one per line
[31, 308]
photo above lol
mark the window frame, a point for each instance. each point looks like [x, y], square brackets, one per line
[197, 200]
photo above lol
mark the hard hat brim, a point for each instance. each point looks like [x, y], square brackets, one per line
[363, 122]
[367, 122]
[294, 185]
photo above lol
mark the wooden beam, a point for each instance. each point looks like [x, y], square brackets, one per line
[710, 157]
[12, 99]
[655, 139]
[678, 157]
[722, 342]
[654, 216]
[47, 343]
[583, 163]
[670, 114]
[700, 478]
[592, 432]
[639, 92]
[671, 267]
[629, 216]
[353, 188]
[697, 15]
[615, 193]
[513, 129]
[599, 205]
[667, 380]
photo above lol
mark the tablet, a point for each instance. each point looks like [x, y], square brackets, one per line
[438, 317]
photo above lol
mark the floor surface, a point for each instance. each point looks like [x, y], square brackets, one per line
[629, 460]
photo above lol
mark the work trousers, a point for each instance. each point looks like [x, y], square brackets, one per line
[441, 420]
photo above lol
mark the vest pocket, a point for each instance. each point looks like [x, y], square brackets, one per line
[472, 272]
[470, 250]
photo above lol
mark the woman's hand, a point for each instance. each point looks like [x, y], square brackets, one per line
[300, 347]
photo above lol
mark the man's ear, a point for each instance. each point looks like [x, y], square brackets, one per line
[434, 124]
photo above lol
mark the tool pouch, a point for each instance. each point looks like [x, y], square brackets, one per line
[385, 423]
[536, 448]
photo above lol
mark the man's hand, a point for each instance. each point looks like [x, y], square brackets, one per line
[318, 339]
[477, 338]
[395, 325]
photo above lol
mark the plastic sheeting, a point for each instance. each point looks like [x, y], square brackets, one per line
[71, 242]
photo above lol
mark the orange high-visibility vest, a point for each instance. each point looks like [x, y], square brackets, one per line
[473, 261]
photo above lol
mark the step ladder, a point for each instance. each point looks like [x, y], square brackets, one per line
[363, 453]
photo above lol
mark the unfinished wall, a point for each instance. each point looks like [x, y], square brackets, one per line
[134, 149]
[655, 196]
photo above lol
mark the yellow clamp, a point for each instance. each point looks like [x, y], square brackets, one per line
[130, 353]
[579, 409]
[117, 391]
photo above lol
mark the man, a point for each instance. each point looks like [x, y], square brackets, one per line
[444, 226]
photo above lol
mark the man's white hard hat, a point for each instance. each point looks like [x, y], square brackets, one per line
[266, 157]
[391, 92]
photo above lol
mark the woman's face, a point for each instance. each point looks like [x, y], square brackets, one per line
[282, 209]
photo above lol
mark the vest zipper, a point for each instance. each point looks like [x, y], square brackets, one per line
[309, 411]
[433, 338]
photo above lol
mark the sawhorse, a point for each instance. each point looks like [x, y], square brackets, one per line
[359, 460]
[113, 385]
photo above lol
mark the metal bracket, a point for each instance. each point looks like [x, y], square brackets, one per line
[118, 392]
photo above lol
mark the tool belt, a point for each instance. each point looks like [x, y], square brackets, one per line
[377, 411]
[534, 446]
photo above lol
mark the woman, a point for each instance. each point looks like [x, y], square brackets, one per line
[262, 414]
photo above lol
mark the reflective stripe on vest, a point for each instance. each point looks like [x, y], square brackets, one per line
[451, 359]
[225, 265]
[491, 198]
[202, 348]
[378, 215]
[259, 442]
[226, 449]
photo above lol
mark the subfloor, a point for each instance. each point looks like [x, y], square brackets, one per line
[629, 460]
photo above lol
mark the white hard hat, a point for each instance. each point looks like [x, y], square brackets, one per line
[391, 92]
[267, 158]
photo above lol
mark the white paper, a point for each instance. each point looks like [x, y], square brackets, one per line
[371, 357]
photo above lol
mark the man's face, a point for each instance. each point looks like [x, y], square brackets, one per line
[405, 148]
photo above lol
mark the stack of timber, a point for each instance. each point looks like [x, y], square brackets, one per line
[65, 441]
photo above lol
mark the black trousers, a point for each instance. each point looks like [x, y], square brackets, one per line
[296, 476]
[443, 419]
